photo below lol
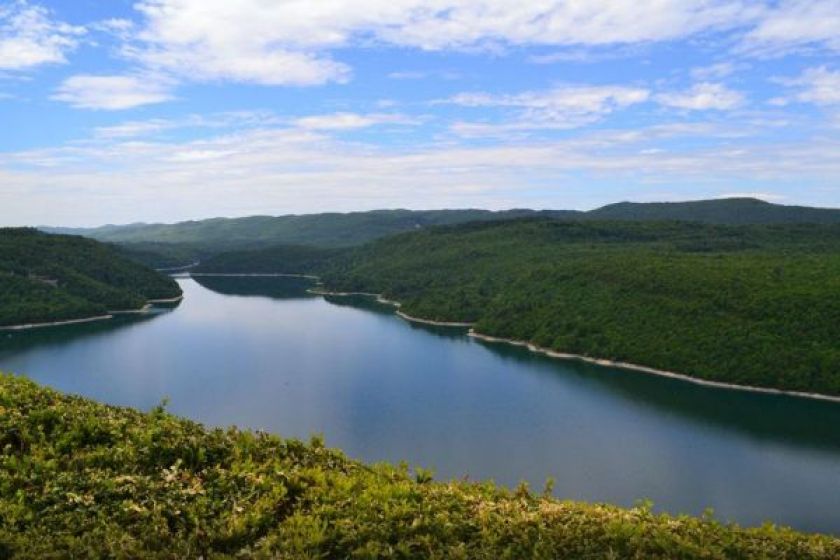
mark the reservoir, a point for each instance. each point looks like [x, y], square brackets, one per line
[262, 353]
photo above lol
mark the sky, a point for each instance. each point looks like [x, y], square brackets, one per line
[124, 111]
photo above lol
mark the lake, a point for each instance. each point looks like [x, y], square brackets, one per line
[262, 353]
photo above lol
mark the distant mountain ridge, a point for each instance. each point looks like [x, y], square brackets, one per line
[331, 230]
[324, 230]
[727, 211]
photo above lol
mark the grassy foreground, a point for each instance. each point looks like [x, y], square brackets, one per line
[85, 480]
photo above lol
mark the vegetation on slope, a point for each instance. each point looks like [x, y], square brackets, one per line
[286, 259]
[344, 230]
[731, 211]
[750, 305]
[321, 230]
[57, 277]
[84, 480]
[160, 255]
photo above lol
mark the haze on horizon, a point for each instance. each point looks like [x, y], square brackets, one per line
[167, 110]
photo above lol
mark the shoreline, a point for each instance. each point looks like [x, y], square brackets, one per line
[596, 361]
[143, 309]
[253, 275]
[398, 305]
[649, 370]
[109, 315]
[178, 268]
[27, 326]
[408, 317]
[165, 300]
[553, 353]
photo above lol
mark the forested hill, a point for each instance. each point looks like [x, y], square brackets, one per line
[284, 259]
[753, 305]
[46, 278]
[323, 230]
[201, 238]
[180, 244]
[723, 211]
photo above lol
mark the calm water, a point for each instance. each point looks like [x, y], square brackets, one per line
[261, 353]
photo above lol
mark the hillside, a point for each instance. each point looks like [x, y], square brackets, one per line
[323, 230]
[286, 259]
[84, 480]
[45, 278]
[723, 211]
[749, 305]
[165, 245]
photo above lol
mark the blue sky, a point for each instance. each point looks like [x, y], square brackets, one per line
[165, 110]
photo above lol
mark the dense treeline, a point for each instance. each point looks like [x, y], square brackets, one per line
[160, 255]
[208, 237]
[286, 259]
[719, 211]
[57, 277]
[754, 305]
[321, 230]
[184, 243]
[84, 480]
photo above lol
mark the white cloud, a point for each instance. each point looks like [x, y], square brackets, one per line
[820, 86]
[351, 121]
[561, 107]
[288, 43]
[248, 41]
[293, 42]
[290, 169]
[422, 75]
[151, 127]
[714, 71]
[702, 97]
[584, 55]
[133, 129]
[112, 92]
[453, 24]
[29, 37]
[793, 25]
[769, 197]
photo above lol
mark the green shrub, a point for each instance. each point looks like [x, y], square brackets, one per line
[84, 480]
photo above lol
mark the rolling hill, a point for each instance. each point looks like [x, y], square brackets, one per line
[45, 278]
[752, 305]
[180, 244]
[323, 230]
[722, 211]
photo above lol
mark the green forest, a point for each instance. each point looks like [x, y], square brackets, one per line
[753, 305]
[330, 229]
[85, 480]
[208, 237]
[45, 278]
[285, 259]
[184, 243]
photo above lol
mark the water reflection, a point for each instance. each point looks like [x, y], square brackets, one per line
[265, 286]
[764, 417]
[793, 420]
[13, 342]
